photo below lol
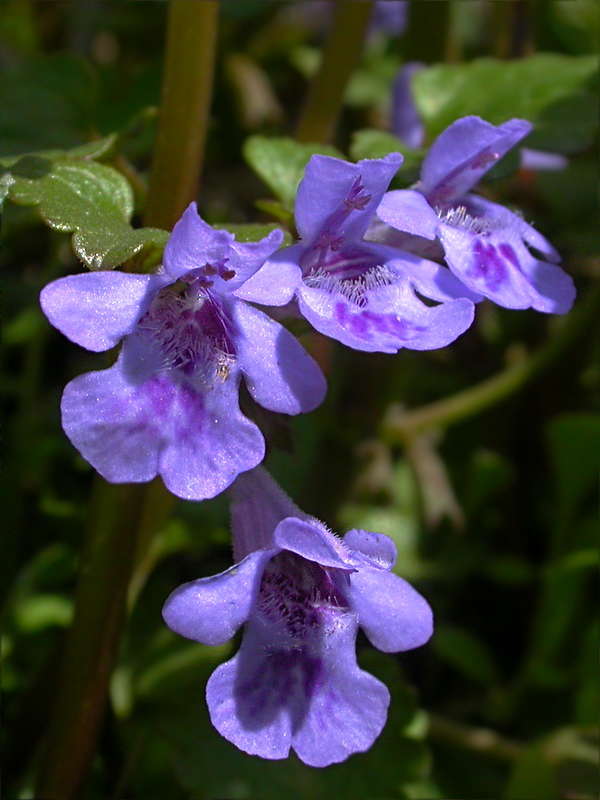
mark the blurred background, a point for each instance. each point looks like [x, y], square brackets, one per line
[492, 507]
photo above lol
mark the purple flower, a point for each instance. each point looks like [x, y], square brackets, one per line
[492, 250]
[302, 593]
[169, 406]
[387, 16]
[362, 293]
[407, 124]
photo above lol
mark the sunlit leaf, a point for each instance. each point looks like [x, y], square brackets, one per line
[92, 200]
[555, 92]
[280, 162]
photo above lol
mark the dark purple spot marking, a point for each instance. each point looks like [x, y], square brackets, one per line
[368, 325]
[509, 253]
[441, 194]
[484, 159]
[488, 265]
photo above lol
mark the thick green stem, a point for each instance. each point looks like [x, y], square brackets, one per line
[401, 427]
[123, 518]
[105, 567]
[340, 57]
[184, 111]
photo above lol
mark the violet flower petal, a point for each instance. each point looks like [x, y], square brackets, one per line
[322, 200]
[379, 549]
[406, 120]
[194, 243]
[392, 318]
[392, 614]
[311, 540]
[211, 610]
[348, 707]
[428, 278]
[408, 211]
[275, 282]
[248, 697]
[541, 160]
[266, 701]
[482, 207]
[114, 424]
[258, 505]
[464, 152]
[132, 430]
[501, 267]
[279, 373]
[97, 309]
[211, 442]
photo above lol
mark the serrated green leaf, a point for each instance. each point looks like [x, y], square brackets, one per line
[280, 162]
[548, 89]
[92, 200]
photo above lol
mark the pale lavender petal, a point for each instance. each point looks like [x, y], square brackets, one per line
[276, 281]
[464, 152]
[247, 258]
[279, 373]
[408, 211]
[389, 16]
[393, 317]
[501, 267]
[539, 160]
[378, 548]
[393, 615]
[97, 309]
[311, 540]
[323, 195]
[348, 707]
[428, 278]
[483, 267]
[114, 423]
[210, 441]
[250, 697]
[193, 244]
[502, 216]
[554, 288]
[211, 610]
[406, 120]
[131, 427]
[258, 505]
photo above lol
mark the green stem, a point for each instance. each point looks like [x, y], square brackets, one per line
[123, 518]
[184, 111]
[401, 427]
[105, 566]
[477, 740]
[340, 57]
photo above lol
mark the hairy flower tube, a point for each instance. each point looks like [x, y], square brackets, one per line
[169, 406]
[302, 593]
[492, 250]
[366, 295]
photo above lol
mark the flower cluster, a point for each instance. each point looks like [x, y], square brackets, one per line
[375, 269]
